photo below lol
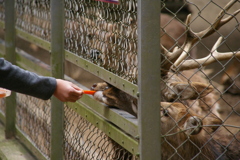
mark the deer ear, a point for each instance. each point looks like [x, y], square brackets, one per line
[202, 89]
[193, 125]
[192, 90]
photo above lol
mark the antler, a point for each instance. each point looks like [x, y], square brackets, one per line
[179, 54]
[212, 57]
[193, 37]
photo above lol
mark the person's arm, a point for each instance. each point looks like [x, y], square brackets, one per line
[22, 81]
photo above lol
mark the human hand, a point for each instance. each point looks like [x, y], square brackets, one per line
[67, 91]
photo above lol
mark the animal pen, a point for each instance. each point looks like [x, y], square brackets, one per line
[181, 54]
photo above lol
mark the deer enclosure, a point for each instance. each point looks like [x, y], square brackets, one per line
[197, 61]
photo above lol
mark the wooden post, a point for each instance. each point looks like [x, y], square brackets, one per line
[10, 55]
[57, 63]
[149, 79]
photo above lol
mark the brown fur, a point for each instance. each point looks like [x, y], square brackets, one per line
[230, 79]
[185, 134]
[177, 87]
[171, 91]
[115, 97]
[182, 145]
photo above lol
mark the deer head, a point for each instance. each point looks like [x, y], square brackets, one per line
[184, 132]
[176, 117]
[175, 63]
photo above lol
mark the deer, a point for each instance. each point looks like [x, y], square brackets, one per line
[175, 70]
[186, 135]
[176, 66]
[181, 118]
[112, 96]
[181, 128]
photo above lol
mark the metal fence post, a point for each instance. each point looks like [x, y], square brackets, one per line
[149, 78]
[57, 63]
[10, 56]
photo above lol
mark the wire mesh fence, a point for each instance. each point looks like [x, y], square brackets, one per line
[216, 118]
[33, 119]
[105, 34]
[83, 140]
[34, 17]
[200, 92]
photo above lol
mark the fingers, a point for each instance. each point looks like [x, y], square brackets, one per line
[70, 98]
[76, 87]
[67, 91]
[77, 92]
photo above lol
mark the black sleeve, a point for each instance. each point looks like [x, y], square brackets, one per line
[22, 81]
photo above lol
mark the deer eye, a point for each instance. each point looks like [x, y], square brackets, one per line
[165, 113]
[90, 36]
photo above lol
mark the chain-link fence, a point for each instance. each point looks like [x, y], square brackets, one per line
[33, 118]
[199, 78]
[83, 140]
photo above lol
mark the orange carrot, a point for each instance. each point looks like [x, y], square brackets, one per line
[4, 93]
[89, 92]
